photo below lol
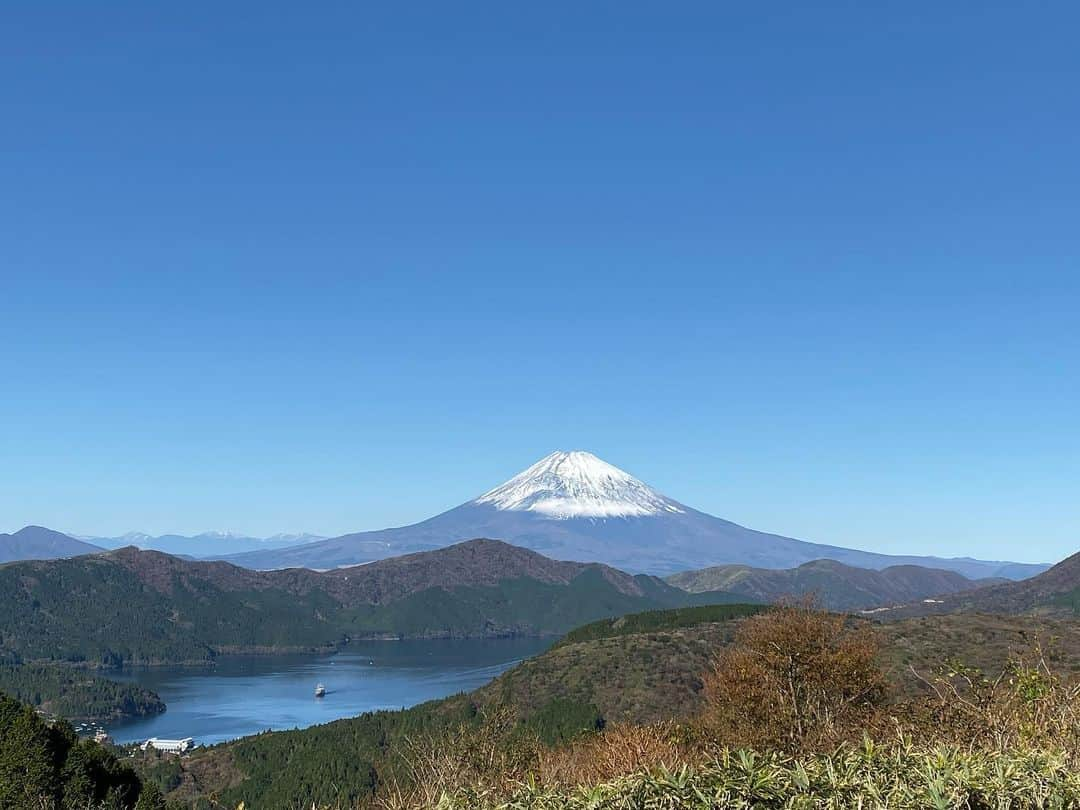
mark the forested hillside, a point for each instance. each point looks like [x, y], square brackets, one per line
[132, 606]
[75, 693]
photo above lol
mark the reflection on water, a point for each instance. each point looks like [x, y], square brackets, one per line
[240, 696]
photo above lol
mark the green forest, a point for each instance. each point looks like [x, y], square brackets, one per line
[44, 764]
[96, 611]
[76, 694]
[656, 620]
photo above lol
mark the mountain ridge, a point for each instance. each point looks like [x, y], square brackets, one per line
[1055, 592]
[40, 543]
[480, 561]
[135, 606]
[835, 585]
[205, 544]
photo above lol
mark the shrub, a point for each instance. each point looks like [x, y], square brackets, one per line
[1024, 704]
[794, 678]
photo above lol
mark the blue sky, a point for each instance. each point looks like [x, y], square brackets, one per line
[271, 267]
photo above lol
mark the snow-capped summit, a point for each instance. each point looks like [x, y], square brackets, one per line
[577, 484]
[293, 538]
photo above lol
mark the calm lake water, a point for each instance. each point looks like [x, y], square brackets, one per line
[241, 696]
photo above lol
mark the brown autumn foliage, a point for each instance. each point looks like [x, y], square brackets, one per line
[620, 750]
[795, 678]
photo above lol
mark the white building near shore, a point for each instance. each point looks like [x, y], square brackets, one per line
[170, 746]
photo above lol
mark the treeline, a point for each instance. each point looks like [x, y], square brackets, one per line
[652, 621]
[45, 765]
[76, 694]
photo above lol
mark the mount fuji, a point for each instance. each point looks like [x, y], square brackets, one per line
[575, 506]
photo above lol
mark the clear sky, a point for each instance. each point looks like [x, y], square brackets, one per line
[814, 268]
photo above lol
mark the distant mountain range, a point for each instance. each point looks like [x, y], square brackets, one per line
[1055, 592]
[206, 545]
[39, 543]
[834, 585]
[132, 606]
[574, 506]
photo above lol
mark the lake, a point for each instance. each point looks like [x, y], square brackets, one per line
[245, 695]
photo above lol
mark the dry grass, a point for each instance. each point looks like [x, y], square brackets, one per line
[489, 759]
[1026, 703]
[620, 750]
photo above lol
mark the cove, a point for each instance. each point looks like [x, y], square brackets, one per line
[239, 696]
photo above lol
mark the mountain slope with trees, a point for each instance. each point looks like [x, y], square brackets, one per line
[131, 606]
[75, 693]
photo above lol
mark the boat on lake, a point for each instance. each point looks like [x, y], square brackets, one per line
[320, 690]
